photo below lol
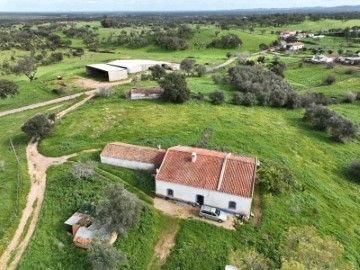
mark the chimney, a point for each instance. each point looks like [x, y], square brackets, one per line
[159, 146]
[193, 157]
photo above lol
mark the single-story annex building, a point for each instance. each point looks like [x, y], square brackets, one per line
[145, 93]
[201, 176]
[110, 73]
[132, 156]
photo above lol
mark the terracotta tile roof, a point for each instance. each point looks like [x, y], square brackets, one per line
[212, 170]
[133, 153]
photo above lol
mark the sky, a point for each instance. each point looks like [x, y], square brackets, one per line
[157, 5]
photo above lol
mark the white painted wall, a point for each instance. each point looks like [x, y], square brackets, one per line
[117, 75]
[143, 96]
[135, 165]
[212, 198]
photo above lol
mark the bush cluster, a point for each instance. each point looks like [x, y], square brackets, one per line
[217, 97]
[104, 92]
[274, 179]
[265, 87]
[322, 118]
[229, 41]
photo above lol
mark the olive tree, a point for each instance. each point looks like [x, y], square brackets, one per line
[175, 88]
[26, 66]
[119, 209]
[38, 126]
[8, 88]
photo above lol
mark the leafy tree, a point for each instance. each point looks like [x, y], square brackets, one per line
[188, 65]
[261, 59]
[119, 209]
[175, 88]
[200, 70]
[228, 55]
[104, 256]
[249, 99]
[38, 126]
[217, 97]
[8, 88]
[27, 67]
[158, 72]
[237, 98]
[229, 41]
[79, 52]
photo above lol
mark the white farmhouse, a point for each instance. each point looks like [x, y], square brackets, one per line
[201, 176]
[132, 156]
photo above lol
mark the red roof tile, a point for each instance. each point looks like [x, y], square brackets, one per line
[133, 153]
[205, 173]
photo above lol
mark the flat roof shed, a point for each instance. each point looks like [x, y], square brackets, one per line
[111, 73]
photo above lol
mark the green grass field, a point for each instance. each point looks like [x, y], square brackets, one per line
[324, 198]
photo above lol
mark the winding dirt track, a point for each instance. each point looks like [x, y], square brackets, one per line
[37, 166]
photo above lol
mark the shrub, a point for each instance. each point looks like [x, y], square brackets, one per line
[275, 179]
[249, 99]
[331, 79]
[8, 88]
[342, 129]
[217, 97]
[357, 96]
[144, 77]
[38, 126]
[216, 78]
[198, 96]
[104, 256]
[250, 259]
[104, 92]
[350, 71]
[237, 98]
[200, 70]
[318, 116]
[349, 97]
[157, 72]
[83, 171]
[58, 91]
[330, 65]
[354, 170]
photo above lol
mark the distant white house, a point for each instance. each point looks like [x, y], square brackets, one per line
[294, 46]
[201, 176]
[318, 37]
[286, 34]
[132, 156]
[323, 59]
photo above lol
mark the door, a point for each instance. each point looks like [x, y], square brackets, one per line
[200, 199]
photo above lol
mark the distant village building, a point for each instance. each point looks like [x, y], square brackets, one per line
[323, 59]
[132, 156]
[286, 34]
[201, 176]
[145, 93]
[295, 46]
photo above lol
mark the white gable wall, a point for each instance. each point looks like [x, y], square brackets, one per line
[212, 198]
[135, 165]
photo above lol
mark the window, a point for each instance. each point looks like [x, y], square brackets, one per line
[232, 205]
[170, 193]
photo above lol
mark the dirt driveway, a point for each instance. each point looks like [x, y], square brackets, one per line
[184, 211]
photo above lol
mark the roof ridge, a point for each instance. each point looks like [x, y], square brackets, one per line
[221, 177]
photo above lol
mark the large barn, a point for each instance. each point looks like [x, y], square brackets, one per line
[110, 73]
[201, 176]
[135, 66]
